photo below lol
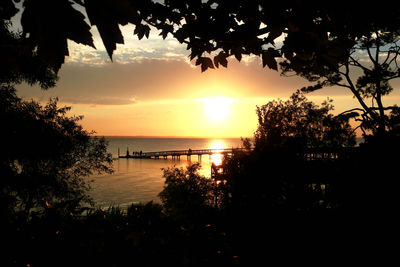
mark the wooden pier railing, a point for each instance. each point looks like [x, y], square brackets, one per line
[176, 154]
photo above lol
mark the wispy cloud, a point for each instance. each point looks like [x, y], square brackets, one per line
[99, 100]
[133, 50]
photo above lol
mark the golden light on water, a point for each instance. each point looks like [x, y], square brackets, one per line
[217, 158]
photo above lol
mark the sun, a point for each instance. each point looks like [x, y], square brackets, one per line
[217, 109]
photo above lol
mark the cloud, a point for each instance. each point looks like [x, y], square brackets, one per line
[85, 56]
[158, 79]
[115, 83]
[133, 50]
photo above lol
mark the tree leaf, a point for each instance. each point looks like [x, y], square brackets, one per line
[48, 24]
[312, 88]
[106, 15]
[216, 61]
[238, 53]
[142, 30]
[268, 58]
[205, 63]
[209, 63]
[164, 33]
[269, 61]
[146, 31]
[221, 59]
[165, 30]
[224, 62]
[199, 61]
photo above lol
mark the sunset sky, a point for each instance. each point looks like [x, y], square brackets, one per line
[152, 89]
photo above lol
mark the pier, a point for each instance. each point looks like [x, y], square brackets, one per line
[176, 154]
[308, 154]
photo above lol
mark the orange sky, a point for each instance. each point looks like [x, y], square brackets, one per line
[151, 89]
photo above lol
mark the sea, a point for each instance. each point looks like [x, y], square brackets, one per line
[141, 180]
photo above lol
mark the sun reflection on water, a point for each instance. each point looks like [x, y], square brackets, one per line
[217, 158]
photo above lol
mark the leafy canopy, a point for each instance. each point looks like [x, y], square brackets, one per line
[213, 30]
[46, 156]
[298, 124]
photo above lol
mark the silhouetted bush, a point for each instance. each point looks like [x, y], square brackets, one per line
[187, 195]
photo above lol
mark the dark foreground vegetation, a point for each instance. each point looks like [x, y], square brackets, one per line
[277, 215]
[271, 203]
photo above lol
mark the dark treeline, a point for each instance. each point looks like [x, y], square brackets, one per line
[269, 203]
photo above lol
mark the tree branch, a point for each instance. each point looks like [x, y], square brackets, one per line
[377, 41]
[389, 52]
[355, 63]
[351, 110]
[370, 55]
[381, 119]
[359, 126]
[355, 93]
[394, 59]
[386, 108]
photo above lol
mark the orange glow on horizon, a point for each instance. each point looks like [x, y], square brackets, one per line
[198, 117]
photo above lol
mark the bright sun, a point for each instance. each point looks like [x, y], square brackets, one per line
[217, 108]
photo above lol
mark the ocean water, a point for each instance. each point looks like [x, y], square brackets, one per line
[141, 180]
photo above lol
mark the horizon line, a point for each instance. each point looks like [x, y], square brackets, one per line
[164, 136]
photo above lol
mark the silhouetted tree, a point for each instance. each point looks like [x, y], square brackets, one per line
[366, 70]
[45, 154]
[279, 197]
[187, 195]
[45, 157]
[300, 123]
[277, 174]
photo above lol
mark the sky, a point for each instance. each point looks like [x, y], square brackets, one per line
[152, 89]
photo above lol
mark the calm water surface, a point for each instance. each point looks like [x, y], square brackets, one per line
[140, 180]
